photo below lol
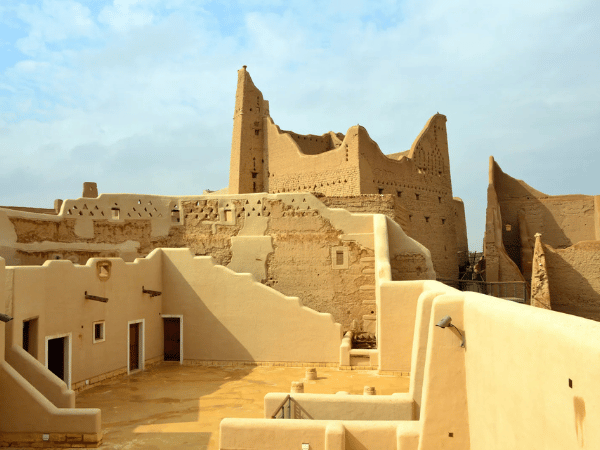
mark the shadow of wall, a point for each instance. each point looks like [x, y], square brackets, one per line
[573, 278]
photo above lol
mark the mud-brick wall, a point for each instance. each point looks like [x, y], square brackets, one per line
[574, 281]
[333, 182]
[372, 204]
[205, 233]
[409, 266]
[302, 266]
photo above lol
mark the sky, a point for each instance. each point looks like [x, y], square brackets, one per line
[138, 95]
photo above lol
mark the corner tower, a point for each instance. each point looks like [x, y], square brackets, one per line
[246, 170]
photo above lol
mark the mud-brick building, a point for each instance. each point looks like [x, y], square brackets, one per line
[352, 167]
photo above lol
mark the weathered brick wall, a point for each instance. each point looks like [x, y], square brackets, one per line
[301, 265]
[573, 278]
[384, 204]
[562, 220]
[421, 184]
[313, 145]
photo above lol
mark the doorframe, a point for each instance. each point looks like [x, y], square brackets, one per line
[142, 345]
[180, 317]
[68, 355]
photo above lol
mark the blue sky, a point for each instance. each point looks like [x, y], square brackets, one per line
[139, 95]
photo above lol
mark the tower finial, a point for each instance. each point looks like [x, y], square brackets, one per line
[244, 67]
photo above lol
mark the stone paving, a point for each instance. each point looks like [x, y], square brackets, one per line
[171, 406]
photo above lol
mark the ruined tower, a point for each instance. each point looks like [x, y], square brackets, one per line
[247, 167]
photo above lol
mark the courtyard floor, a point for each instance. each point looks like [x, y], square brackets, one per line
[171, 406]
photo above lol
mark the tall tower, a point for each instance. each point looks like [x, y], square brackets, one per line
[247, 144]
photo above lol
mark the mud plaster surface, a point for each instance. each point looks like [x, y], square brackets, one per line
[171, 406]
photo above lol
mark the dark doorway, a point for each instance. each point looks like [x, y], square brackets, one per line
[172, 338]
[134, 346]
[56, 357]
[30, 337]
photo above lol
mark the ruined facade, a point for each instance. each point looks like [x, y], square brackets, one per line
[566, 260]
[265, 158]
[291, 242]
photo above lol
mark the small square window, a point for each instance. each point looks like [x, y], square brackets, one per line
[380, 190]
[339, 257]
[399, 193]
[254, 174]
[98, 330]
[115, 213]
[417, 196]
[256, 132]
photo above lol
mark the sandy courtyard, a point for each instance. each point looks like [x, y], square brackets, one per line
[170, 406]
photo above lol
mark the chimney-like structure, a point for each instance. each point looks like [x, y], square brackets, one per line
[247, 144]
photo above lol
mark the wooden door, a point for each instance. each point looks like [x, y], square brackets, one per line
[172, 338]
[134, 346]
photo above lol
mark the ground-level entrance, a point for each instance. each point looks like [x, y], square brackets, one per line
[135, 344]
[172, 338]
[58, 356]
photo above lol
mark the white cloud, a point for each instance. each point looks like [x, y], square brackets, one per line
[138, 95]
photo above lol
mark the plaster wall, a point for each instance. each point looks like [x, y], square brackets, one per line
[531, 377]
[319, 434]
[231, 317]
[55, 294]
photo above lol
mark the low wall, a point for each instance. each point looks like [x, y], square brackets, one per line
[27, 414]
[231, 317]
[49, 385]
[345, 407]
[238, 434]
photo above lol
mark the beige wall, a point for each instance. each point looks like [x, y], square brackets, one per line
[422, 185]
[573, 278]
[348, 165]
[55, 294]
[519, 361]
[563, 220]
[526, 378]
[231, 317]
[285, 240]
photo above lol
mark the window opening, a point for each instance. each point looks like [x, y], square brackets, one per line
[98, 330]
